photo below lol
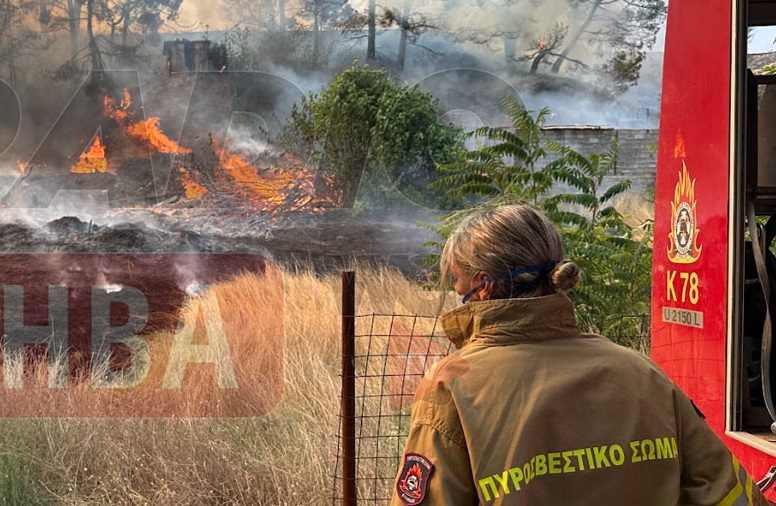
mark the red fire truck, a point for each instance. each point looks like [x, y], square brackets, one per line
[713, 273]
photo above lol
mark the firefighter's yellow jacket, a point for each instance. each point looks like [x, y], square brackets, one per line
[531, 411]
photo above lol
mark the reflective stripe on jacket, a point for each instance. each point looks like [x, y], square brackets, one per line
[531, 411]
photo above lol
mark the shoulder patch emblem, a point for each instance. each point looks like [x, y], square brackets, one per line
[412, 483]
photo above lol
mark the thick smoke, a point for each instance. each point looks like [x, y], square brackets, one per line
[467, 48]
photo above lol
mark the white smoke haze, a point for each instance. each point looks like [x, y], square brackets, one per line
[188, 268]
[202, 15]
[103, 282]
[248, 136]
[312, 81]
[90, 203]
[526, 21]
[465, 100]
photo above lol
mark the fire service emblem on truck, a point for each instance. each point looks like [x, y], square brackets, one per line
[683, 245]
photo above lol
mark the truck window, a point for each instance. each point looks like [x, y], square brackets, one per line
[753, 371]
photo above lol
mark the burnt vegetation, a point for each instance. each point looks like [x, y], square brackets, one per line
[166, 144]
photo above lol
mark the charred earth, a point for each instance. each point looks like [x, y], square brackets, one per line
[327, 241]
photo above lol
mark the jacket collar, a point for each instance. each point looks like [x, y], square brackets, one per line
[511, 320]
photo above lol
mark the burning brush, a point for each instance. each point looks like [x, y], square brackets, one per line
[212, 174]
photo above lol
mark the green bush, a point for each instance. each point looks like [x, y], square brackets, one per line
[615, 257]
[374, 138]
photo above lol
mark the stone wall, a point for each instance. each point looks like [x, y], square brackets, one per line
[637, 159]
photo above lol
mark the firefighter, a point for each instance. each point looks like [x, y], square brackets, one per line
[531, 411]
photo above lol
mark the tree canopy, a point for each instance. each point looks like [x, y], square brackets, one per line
[18, 42]
[599, 40]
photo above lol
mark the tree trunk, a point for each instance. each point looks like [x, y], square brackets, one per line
[536, 61]
[372, 32]
[6, 41]
[402, 50]
[11, 70]
[405, 26]
[316, 30]
[267, 9]
[97, 63]
[74, 24]
[125, 26]
[282, 15]
[510, 48]
[577, 35]
[44, 16]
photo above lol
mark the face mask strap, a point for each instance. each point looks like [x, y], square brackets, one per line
[543, 268]
[471, 292]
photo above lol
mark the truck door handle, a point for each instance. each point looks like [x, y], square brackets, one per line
[768, 480]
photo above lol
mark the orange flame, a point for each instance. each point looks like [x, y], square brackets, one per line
[283, 183]
[92, 160]
[121, 112]
[22, 167]
[257, 187]
[193, 189]
[542, 45]
[415, 470]
[679, 149]
[149, 130]
[684, 188]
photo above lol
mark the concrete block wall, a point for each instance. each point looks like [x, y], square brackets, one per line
[637, 158]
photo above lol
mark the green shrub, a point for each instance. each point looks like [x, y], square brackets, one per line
[615, 257]
[374, 138]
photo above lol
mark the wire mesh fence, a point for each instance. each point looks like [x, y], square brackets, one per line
[391, 354]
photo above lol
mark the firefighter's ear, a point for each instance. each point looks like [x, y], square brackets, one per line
[487, 285]
[487, 290]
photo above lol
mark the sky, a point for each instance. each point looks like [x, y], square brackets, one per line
[762, 40]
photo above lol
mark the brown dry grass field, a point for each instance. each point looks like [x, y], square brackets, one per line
[286, 456]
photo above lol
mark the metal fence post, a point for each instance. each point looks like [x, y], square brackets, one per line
[348, 396]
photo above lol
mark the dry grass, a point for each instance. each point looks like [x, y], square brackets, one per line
[283, 457]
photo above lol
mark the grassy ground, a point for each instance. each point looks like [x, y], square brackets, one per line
[286, 456]
[283, 457]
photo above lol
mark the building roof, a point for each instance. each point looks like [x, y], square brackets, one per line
[757, 61]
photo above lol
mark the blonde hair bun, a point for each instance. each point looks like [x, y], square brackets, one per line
[498, 240]
[565, 275]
